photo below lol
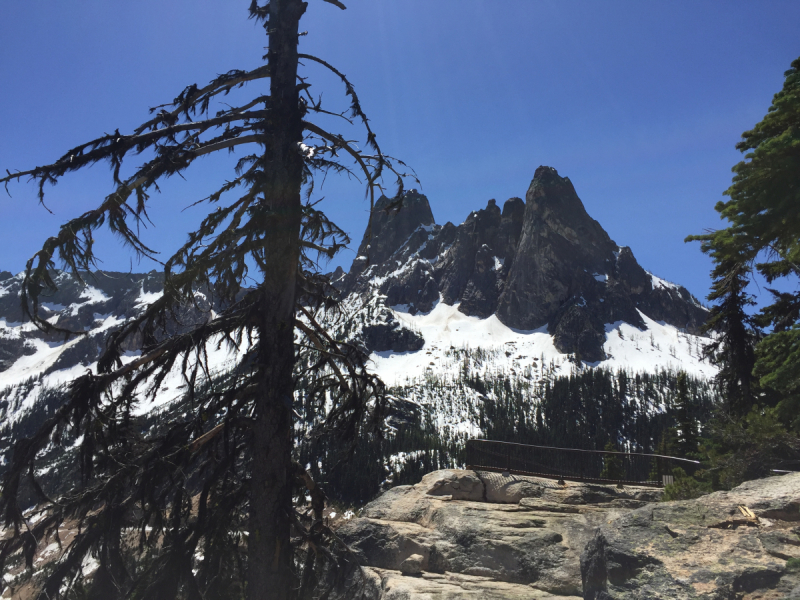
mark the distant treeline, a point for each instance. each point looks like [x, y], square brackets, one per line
[588, 409]
[429, 425]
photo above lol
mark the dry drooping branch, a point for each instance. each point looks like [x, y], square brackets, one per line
[185, 482]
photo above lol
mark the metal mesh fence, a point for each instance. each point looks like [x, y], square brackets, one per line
[578, 465]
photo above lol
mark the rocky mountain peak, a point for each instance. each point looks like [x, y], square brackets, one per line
[572, 277]
[561, 253]
[553, 205]
[391, 223]
[539, 263]
[514, 210]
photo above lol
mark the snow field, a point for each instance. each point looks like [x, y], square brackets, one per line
[528, 353]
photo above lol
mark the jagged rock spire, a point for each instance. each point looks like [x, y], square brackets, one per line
[542, 262]
[390, 227]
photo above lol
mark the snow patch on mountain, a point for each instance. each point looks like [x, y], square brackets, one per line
[662, 283]
[219, 359]
[659, 346]
[513, 351]
[146, 298]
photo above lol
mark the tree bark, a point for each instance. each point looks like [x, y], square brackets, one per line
[270, 565]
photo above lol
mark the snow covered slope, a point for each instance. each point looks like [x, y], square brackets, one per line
[531, 354]
[33, 363]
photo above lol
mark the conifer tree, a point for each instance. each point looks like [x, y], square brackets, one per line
[763, 228]
[686, 420]
[194, 487]
[733, 347]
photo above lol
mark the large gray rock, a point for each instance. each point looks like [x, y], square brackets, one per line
[576, 540]
[458, 484]
[412, 565]
[704, 548]
[447, 520]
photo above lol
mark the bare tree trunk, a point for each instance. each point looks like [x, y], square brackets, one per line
[270, 570]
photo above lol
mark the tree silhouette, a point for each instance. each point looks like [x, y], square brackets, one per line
[612, 463]
[733, 349]
[212, 497]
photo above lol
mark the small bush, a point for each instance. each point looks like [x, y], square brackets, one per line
[685, 487]
[743, 449]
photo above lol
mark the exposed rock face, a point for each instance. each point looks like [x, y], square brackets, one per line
[704, 548]
[482, 535]
[389, 253]
[382, 337]
[474, 270]
[540, 263]
[102, 292]
[469, 544]
[390, 228]
[96, 306]
[559, 253]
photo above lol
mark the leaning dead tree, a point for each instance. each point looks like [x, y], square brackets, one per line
[210, 505]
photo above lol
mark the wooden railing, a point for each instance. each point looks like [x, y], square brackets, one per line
[577, 465]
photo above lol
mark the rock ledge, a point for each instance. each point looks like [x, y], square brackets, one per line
[466, 534]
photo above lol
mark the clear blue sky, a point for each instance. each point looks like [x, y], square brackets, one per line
[639, 103]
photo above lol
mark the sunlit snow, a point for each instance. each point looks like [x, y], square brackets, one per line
[512, 351]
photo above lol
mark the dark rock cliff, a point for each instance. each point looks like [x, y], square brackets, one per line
[560, 252]
[571, 276]
[390, 228]
[474, 271]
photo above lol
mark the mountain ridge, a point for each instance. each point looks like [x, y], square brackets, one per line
[539, 274]
[539, 263]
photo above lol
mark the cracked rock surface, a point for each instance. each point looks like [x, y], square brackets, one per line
[478, 535]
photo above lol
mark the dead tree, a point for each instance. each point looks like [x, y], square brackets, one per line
[210, 495]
